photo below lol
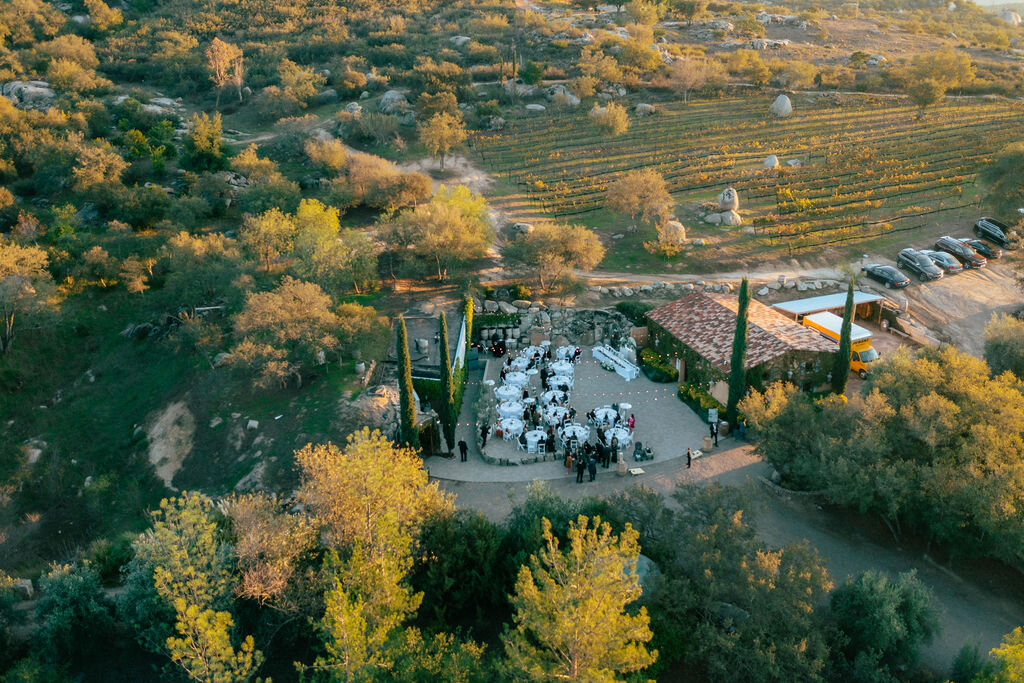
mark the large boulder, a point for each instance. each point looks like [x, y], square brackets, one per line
[644, 109]
[674, 232]
[731, 218]
[771, 161]
[328, 96]
[29, 94]
[713, 218]
[492, 123]
[535, 108]
[354, 108]
[1010, 17]
[393, 102]
[728, 200]
[559, 93]
[459, 41]
[781, 107]
[507, 308]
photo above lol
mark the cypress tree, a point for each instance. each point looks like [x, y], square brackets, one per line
[408, 432]
[841, 366]
[737, 371]
[449, 416]
[467, 312]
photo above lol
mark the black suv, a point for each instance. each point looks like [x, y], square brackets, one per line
[963, 253]
[919, 264]
[996, 232]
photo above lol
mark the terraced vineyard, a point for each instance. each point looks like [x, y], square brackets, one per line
[867, 166]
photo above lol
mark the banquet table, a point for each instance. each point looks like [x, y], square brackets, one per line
[577, 430]
[520, 363]
[511, 426]
[554, 414]
[562, 367]
[605, 415]
[531, 351]
[508, 392]
[534, 438]
[623, 435]
[552, 396]
[510, 409]
[559, 381]
[624, 408]
[519, 379]
[566, 352]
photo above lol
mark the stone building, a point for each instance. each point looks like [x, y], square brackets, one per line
[697, 332]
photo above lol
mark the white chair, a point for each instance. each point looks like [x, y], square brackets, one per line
[520, 446]
[533, 447]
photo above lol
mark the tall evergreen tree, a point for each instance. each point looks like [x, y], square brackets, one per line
[408, 433]
[737, 371]
[841, 366]
[449, 415]
[467, 311]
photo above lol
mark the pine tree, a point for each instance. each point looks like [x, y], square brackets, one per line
[449, 416]
[737, 371]
[841, 367]
[408, 433]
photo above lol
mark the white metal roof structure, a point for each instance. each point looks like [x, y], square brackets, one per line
[833, 323]
[824, 303]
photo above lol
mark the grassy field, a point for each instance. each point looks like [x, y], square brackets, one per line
[868, 167]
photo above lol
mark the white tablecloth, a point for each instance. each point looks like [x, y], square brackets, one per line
[606, 354]
[517, 378]
[510, 409]
[562, 367]
[511, 425]
[605, 415]
[534, 438]
[508, 392]
[565, 352]
[552, 396]
[579, 431]
[623, 435]
[520, 363]
[554, 414]
[560, 381]
[625, 407]
[531, 351]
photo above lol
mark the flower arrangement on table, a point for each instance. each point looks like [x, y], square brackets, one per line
[605, 365]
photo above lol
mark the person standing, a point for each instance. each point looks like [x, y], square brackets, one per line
[631, 422]
[581, 466]
[463, 449]
[714, 432]
[743, 428]
[485, 429]
[592, 468]
[689, 458]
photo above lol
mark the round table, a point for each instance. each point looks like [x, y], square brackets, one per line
[510, 409]
[562, 367]
[579, 431]
[489, 382]
[534, 438]
[520, 363]
[519, 379]
[625, 408]
[511, 426]
[558, 381]
[529, 401]
[508, 392]
[531, 351]
[605, 415]
[546, 343]
[623, 435]
[554, 414]
[566, 352]
[552, 396]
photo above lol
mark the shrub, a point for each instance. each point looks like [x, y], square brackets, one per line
[636, 311]
[699, 400]
[657, 368]
[519, 291]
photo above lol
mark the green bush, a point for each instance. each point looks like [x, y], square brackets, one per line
[657, 368]
[635, 311]
[699, 400]
[519, 291]
[496, 320]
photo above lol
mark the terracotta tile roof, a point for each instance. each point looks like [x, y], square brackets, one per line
[706, 322]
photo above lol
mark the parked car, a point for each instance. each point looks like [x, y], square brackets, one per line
[963, 253]
[945, 261]
[915, 262]
[996, 232]
[887, 275]
[982, 247]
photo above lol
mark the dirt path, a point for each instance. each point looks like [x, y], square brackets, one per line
[978, 608]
